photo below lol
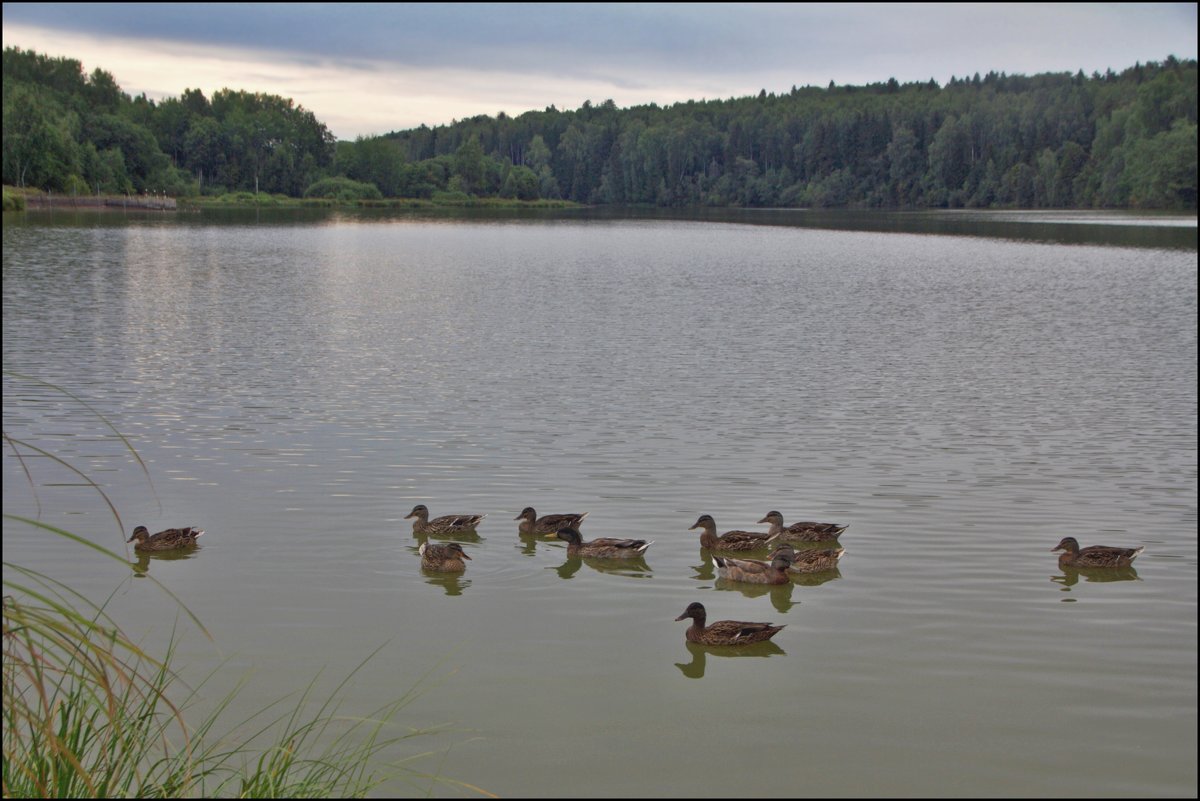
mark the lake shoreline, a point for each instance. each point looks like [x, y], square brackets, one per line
[114, 202]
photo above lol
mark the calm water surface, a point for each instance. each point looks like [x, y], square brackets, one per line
[962, 402]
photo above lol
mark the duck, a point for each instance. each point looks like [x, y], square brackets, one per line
[1094, 555]
[810, 560]
[547, 524]
[447, 524]
[755, 571]
[447, 558]
[801, 532]
[604, 547]
[730, 540]
[724, 632]
[168, 540]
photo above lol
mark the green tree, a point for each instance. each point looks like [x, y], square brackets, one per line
[1161, 171]
[1019, 186]
[469, 165]
[521, 183]
[950, 156]
[906, 167]
[39, 149]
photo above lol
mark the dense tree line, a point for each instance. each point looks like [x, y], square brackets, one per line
[70, 132]
[1050, 140]
[1045, 141]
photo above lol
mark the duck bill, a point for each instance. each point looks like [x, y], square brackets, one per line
[681, 617]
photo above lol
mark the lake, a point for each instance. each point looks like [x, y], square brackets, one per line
[961, 390]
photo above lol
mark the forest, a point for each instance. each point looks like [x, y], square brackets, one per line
[1053, 140]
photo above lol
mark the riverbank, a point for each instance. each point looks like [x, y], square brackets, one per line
[41, 200]
[439, 200]
[34, 199]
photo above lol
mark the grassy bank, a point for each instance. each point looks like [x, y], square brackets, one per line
[13, 201]
[439, 200]
[18, 199]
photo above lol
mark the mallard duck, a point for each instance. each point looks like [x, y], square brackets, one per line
[801, 532]
[447, 558]
[730, 540]
[604, 547]
[169, 540]
[547, 524]
[1094, 555]
[447, 524]
[755, 571]
[810, 560]
[724, 632]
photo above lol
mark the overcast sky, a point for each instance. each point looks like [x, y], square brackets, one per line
[369, 69]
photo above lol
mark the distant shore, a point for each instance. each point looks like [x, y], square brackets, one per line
[41, 200]
[148, 202]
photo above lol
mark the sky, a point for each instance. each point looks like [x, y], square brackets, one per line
[367, 69]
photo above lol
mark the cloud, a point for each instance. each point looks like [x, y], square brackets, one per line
[365, 68]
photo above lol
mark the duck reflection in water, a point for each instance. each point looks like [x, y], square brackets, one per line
[451, 583]
[1071, 575]
[527, 544]
[142, 566]
[631, 567]
[706, 570]
[780, 594]
[695, 668]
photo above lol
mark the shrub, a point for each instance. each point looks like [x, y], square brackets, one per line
[343, 189]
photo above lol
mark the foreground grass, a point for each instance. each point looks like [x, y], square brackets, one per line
[89, 713]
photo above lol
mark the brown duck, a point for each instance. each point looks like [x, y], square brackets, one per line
[546, 525]
[447, 524]
[169, 540]
[1094, 555]
[755, 571]
[730, 540]
[446, 558]
[810, 560]
[603, 547]
[801, 532]
[724, 632]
